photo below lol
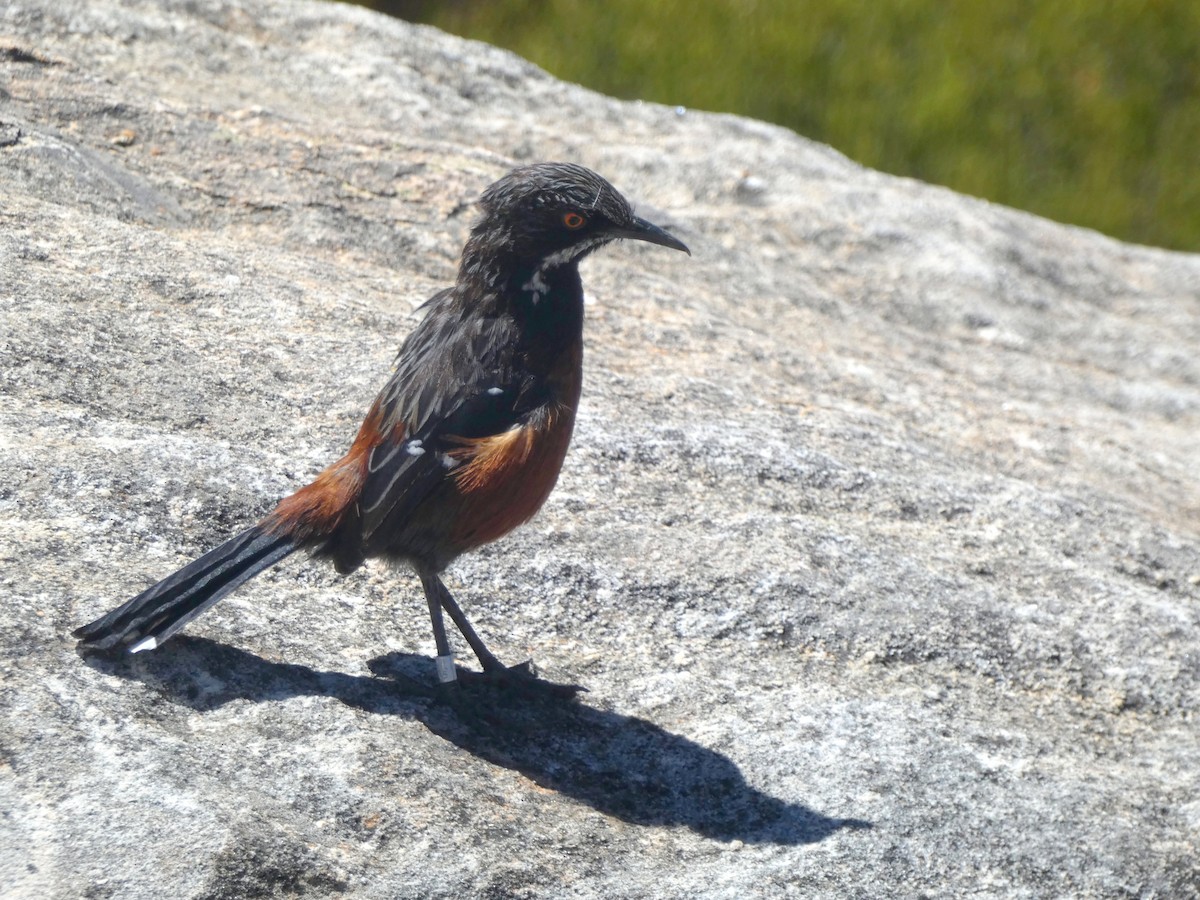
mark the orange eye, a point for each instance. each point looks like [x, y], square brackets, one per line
[574, 220]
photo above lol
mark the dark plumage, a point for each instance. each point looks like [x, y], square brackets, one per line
[464, 442]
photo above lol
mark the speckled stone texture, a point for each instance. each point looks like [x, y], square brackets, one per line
[878, 546]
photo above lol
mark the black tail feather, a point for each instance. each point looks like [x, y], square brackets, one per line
[158, 612]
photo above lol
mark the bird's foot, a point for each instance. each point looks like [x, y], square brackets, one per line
[522, 677]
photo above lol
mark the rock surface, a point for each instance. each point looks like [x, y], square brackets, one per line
[878, 546]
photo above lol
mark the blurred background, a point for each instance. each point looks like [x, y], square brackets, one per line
[1084, 111]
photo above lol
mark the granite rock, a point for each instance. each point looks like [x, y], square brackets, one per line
[877, 547]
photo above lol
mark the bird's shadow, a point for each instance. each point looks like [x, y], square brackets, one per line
[620, 765]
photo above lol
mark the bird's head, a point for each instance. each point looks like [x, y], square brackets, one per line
[552, 214]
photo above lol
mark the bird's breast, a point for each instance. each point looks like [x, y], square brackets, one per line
[504, 479]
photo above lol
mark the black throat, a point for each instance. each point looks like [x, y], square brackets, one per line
[547, 303]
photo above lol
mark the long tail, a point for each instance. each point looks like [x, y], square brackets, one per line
[158, 612]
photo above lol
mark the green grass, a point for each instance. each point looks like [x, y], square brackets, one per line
[1085, 112]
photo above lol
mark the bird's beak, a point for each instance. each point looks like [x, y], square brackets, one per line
[641, 230]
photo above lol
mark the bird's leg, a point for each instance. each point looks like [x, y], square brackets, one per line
[437, 594]
[521, 677]
[445, 659]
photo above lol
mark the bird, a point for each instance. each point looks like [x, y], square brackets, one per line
[467, 437]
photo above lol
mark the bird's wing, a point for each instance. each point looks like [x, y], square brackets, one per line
[454, 379]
